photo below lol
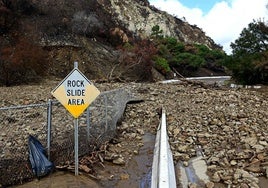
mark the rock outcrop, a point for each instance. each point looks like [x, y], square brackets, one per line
[139, 17]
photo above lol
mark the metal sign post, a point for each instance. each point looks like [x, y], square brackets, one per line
[76, 161]
[76, 141]
[75, 93]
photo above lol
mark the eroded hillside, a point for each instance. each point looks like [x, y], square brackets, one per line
[90, 32]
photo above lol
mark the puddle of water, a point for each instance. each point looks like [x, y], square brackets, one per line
[192, 177]
[138, 168]
[192, 173]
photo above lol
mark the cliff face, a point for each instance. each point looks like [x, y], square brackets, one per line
[95, 18]
[139, 17]
[87, 31]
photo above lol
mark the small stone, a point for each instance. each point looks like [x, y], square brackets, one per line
[124, 176]
[244, 185]
[192, 185]
[212, 167]
[119, 161]
[124, 126]
[176, 131]
[254, 168]
[182, 149]
[140, 131]
[261, 156]
[226, 177]
[132, 135]
[216, 178]
[3, 134]
[258, 147]
[233, 162]
[111, 177]
[264, 143]
[185, 163]
[210, 184]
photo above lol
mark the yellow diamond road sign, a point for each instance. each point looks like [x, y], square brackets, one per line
[75, 92]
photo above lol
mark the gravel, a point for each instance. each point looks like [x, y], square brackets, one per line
[229, 125]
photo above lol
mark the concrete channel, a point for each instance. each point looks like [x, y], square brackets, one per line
[163, 171]
[164, 174]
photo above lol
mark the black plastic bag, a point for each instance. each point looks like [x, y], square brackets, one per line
[41, 166]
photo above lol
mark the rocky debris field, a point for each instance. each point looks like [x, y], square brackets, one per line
[229, 125]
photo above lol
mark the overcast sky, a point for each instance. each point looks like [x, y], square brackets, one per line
[223, 20]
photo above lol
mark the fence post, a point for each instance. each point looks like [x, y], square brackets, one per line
[49, 122]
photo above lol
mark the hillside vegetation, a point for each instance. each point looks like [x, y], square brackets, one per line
[126, 41]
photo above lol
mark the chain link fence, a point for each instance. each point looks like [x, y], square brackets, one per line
[53, 126]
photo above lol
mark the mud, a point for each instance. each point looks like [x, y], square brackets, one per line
[135, 174]
[61, 179]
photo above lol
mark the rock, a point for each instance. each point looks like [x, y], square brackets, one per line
[185, 163]
[140, 131]
[124, 126]
[251, 140]
[124, 176]
[264, 143]
[258, 147]
[210, 185]
[254, 168]
[249, 177]
[111, 177]
[182, 149]
[85, 168]
[216, 178]
[119, 161]
[261, 156]
[176, 131]
[212, 167]
[226, 178]
[244, 185]
[233, 162]
[192, 185]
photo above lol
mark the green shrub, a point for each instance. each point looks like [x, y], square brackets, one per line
[189, 57]
[192, 60]
[157, 32]
[161, 64]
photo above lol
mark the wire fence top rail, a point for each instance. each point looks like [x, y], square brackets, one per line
[23, 106]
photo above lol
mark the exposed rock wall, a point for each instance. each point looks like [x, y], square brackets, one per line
[139, 18]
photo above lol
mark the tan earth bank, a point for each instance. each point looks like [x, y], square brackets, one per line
[230, 125]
